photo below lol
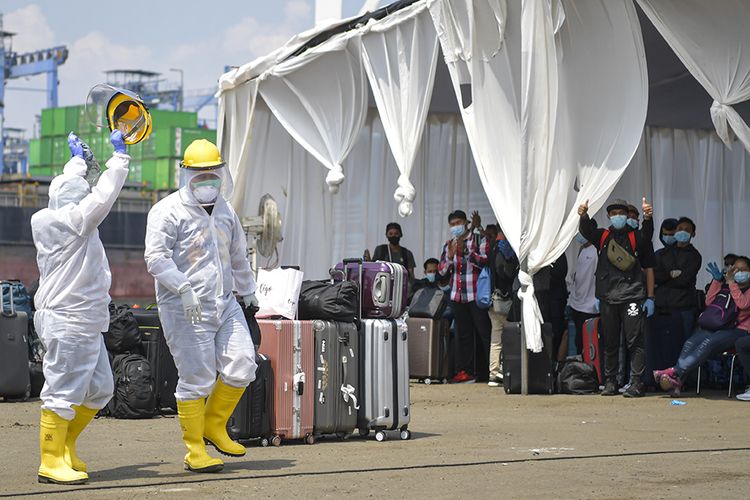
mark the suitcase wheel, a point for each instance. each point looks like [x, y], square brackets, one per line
[310, 439]
[405, 434]
[264, 442]
[427, 381]
[380, 436]
[276, 440]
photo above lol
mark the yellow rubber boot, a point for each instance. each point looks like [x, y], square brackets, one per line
[219, 408]
[191, 421]
[83, 417]
[53, 469]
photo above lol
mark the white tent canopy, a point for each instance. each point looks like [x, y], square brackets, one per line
[553, 102]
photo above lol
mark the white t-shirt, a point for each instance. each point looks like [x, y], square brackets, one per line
[582, 296]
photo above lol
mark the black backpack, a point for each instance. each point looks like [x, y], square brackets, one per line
[428, 302]
[577, 377]
[123, 335]
[135, 392]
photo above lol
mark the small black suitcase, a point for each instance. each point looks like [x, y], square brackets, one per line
[252, 416]
[156, 351]
[15, 381]
[541, 367]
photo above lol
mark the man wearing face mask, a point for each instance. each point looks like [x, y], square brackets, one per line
[666, 234]
[675, 273]
[196, 251]
[647, 229]
[393, 251]
[624, 287]
[72, 307]
[582, 286]
[464, 255]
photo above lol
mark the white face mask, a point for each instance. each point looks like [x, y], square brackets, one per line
[206, 188]
[206, 195]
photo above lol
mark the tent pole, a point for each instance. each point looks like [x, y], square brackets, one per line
[524, 350]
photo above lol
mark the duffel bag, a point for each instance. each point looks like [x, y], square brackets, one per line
[577, 377]
[329, 301]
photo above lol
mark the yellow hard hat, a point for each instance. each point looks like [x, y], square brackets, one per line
[202, 155]
[126, 112]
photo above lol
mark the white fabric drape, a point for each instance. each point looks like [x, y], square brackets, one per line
[483, 54]
[320, 230]
[400, 57]
[713, 41]
[573, 150]
[236, 112]
[320, 97]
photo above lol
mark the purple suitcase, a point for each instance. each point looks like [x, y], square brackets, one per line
[384, 286]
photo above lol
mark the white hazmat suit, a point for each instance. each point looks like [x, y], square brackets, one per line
[74, 280]
[187, 246]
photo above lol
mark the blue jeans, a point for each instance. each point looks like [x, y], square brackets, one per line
[704, 344]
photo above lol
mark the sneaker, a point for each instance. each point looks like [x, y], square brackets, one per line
[672, 384]
[635, 390]
[463, 378]
[495, 381]
[609, 389]
[745, 396]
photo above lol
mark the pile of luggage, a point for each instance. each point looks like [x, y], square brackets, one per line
[21, 351]
[341, 365]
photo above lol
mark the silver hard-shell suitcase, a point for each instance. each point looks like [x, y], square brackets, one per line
[384, 378]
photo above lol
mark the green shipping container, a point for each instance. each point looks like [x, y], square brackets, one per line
[193, 134]
[160, 174]
[39, 171]
[162, 119]
[35, 152]
[46, 150]
[60, 151]
[48, 121]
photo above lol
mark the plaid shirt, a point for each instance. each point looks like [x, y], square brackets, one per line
[465, 267]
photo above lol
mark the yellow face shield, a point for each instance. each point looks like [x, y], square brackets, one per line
[119, 109]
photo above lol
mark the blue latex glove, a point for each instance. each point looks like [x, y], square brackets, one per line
[649, 307]
[75, 145]
[598, 305]
[714, 271]
[505, 249]
[117, 141]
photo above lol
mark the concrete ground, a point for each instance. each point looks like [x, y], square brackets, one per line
[469, 441]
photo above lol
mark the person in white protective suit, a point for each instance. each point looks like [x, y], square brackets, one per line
[72, 307]
[196, 251]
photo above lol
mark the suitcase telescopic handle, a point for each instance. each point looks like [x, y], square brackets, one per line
[12, 312]
[358, 261]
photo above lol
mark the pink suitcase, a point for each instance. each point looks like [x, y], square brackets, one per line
[384, 292]
[290, 345]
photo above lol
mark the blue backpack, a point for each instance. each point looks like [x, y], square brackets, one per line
[484, 288]
[21, 297]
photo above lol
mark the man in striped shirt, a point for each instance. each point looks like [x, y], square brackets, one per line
[464, 255]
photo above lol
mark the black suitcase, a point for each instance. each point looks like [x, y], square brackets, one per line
[156, 351]
[15, 381]
[336, 378]
[541, 366]
[252, 416]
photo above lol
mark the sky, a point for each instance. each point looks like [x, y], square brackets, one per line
[192, 35]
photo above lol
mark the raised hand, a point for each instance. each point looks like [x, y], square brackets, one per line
[648, 209]
[714, 271]
[583, 209]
